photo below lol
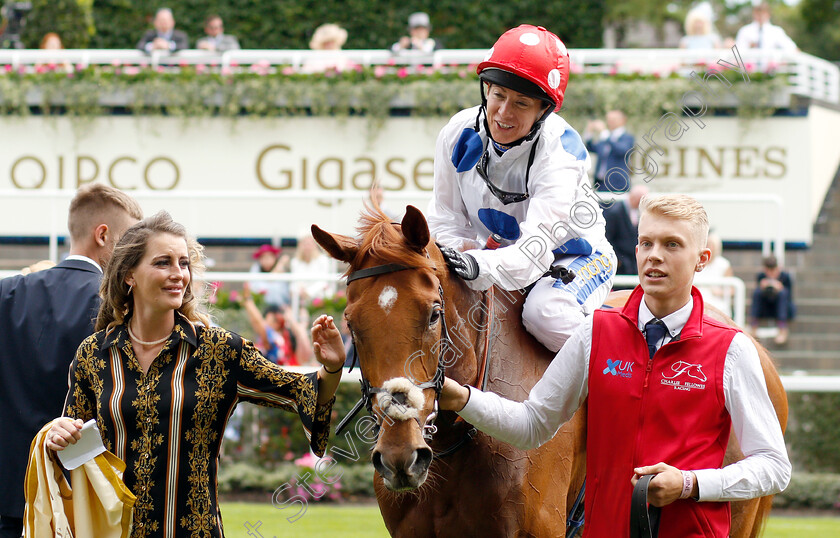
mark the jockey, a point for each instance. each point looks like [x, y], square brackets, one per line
[511, 196]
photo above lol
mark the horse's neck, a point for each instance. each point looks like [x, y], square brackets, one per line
[468, 329]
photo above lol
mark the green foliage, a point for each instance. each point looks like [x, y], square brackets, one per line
[819, 30]
[812, 431]
[72, 20]
[814, 491]
[371, 92]
[371, 24]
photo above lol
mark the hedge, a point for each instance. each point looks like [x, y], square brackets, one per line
[371, 24]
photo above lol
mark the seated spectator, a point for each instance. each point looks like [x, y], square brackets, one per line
[698, 31]
[419, 29]
[268, 260]
[216, 39]
[164, 36]
[327, 37]
[719, 297]
[308, 261]
[773, 298]
[613, 141]
[280, 338]
[51, 41]
[761, 34]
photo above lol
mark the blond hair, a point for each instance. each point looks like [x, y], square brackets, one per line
[117, 303]
[682, 207]
[96, 204]
[696, 15]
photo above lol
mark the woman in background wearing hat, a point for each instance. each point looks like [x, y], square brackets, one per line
[267, 259]
[511, 175]
[327, 37]
[419, 28]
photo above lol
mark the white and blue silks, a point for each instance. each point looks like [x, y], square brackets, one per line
[558, 222]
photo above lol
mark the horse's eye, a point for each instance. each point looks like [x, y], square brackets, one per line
[436, 312]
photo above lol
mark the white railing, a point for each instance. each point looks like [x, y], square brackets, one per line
[773, 232]
[809, 76]
[734, 284]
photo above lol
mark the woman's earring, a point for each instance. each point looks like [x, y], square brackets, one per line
[129, 289]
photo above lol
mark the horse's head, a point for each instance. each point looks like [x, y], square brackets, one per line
[395, 314]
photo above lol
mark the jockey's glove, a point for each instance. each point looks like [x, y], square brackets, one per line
[461, 263]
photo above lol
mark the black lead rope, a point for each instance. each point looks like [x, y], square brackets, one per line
[644, 519]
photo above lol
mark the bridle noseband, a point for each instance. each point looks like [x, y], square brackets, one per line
[368, 392]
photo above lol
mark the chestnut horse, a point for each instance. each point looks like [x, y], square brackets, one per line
[435, 476]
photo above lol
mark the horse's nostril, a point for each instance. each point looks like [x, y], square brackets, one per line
[380, 467]
[423, 460]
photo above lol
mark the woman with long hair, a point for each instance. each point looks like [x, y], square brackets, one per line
[162, 383]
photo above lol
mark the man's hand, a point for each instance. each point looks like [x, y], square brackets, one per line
[461, 263]
[454, 396]
[666, 487]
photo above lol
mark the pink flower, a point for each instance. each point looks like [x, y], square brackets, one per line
[340, 293]
[358, 68]
[234, 64]
[22, 69]
[80, 67]
[40, 69]
[226, 71]
[379, 71]
[160, 69]
[750, 67]
[317, 302]
[307, 460]
[288, 70]
[182, 64]
[234, 296]
[8, 68]
[200, 69]
[575, 68]
[392, 61]
[402, 72]
[613, 70]
[131, 70]
[462, 73]
[116, 63]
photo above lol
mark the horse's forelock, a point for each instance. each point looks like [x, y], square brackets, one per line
[383, 240]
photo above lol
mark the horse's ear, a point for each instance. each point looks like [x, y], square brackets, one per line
[340, 247]
[414, 228]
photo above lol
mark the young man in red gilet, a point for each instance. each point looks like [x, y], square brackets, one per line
[665, 386]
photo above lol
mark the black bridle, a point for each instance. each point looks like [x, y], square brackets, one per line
[368, 392]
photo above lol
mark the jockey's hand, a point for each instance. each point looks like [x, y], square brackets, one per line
[461, 263]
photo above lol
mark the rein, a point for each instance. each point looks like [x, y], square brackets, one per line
[436, 383]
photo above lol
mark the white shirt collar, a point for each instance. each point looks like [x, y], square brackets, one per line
[675, 321]
[79, 257]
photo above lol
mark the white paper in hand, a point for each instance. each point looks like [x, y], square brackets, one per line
[85, 449]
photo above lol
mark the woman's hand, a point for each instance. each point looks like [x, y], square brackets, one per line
[64, 432]
[329, 349]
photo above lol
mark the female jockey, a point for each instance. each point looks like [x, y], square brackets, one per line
[511, 190]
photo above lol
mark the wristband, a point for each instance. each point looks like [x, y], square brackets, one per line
[332, 372]
[688, 484]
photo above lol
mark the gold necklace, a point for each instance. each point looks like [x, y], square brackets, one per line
[152, 343]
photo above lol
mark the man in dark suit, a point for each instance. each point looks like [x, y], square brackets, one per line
[44, 316]
[622, 232]
[164, 36]
[612, 144]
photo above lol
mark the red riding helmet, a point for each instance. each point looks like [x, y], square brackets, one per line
[530, 60]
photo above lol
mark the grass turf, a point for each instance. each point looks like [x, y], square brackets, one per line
[354, 521]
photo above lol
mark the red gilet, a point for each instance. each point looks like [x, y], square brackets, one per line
[642, 411]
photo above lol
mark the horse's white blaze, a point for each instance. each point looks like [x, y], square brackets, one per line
[387, 298]
[394, 409]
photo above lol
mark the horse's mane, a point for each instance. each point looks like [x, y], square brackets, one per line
[382, 239]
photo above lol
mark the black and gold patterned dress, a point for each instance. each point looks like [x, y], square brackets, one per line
[167, 424]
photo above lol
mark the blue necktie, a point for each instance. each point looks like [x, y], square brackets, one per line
[655, 330]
